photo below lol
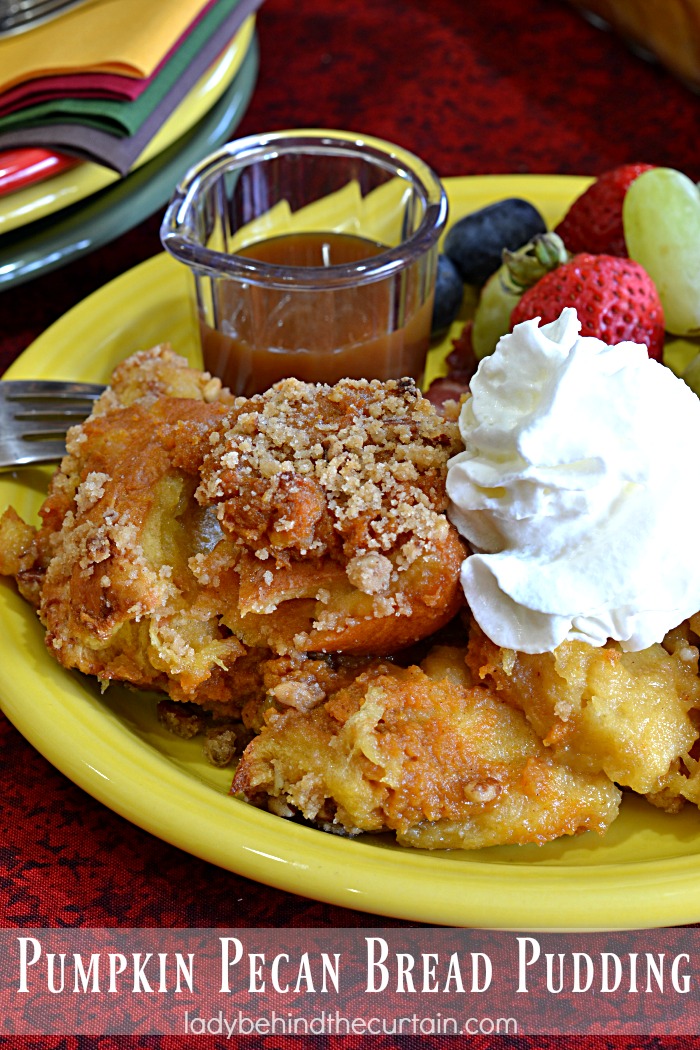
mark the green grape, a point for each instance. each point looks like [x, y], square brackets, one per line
[661, 219]
[691, 374]
[520, 270]
[492, 317]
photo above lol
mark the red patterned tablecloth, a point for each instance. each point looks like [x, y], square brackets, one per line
[472, 87]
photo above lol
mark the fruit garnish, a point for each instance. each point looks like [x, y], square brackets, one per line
[661, 214]
[475, 243]
[593, 223]
[449, 292]
[461, 361]
[519, 270]
[461, 364]
[691, 374]
[615, 299]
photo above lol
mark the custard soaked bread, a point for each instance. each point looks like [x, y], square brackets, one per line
[422, 752]
[186, 528]
[633, 715]
[108, 566]
[332, 499]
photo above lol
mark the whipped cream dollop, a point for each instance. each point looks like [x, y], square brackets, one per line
[577, 492]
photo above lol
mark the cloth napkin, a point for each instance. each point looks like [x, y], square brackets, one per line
[120, 152]
[127, 37]
[88, 84]
[119, 117]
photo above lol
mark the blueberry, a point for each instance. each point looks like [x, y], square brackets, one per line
[476, 242]
[449, 291]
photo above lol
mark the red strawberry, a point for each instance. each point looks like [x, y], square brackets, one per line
[616, 300]
[593, 223]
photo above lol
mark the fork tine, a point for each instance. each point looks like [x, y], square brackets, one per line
[31, 452]
[49, 389]
[36, 415]
[34, 422]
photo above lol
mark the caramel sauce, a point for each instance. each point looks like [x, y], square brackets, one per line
[379, 330]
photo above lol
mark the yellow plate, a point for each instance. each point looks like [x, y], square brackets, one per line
[44, 198]
[645, 872]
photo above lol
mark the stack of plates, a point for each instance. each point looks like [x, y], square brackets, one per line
[51, 222]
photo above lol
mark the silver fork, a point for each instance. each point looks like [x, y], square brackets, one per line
[35, 415]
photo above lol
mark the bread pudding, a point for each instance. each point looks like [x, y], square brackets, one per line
[282, 570]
